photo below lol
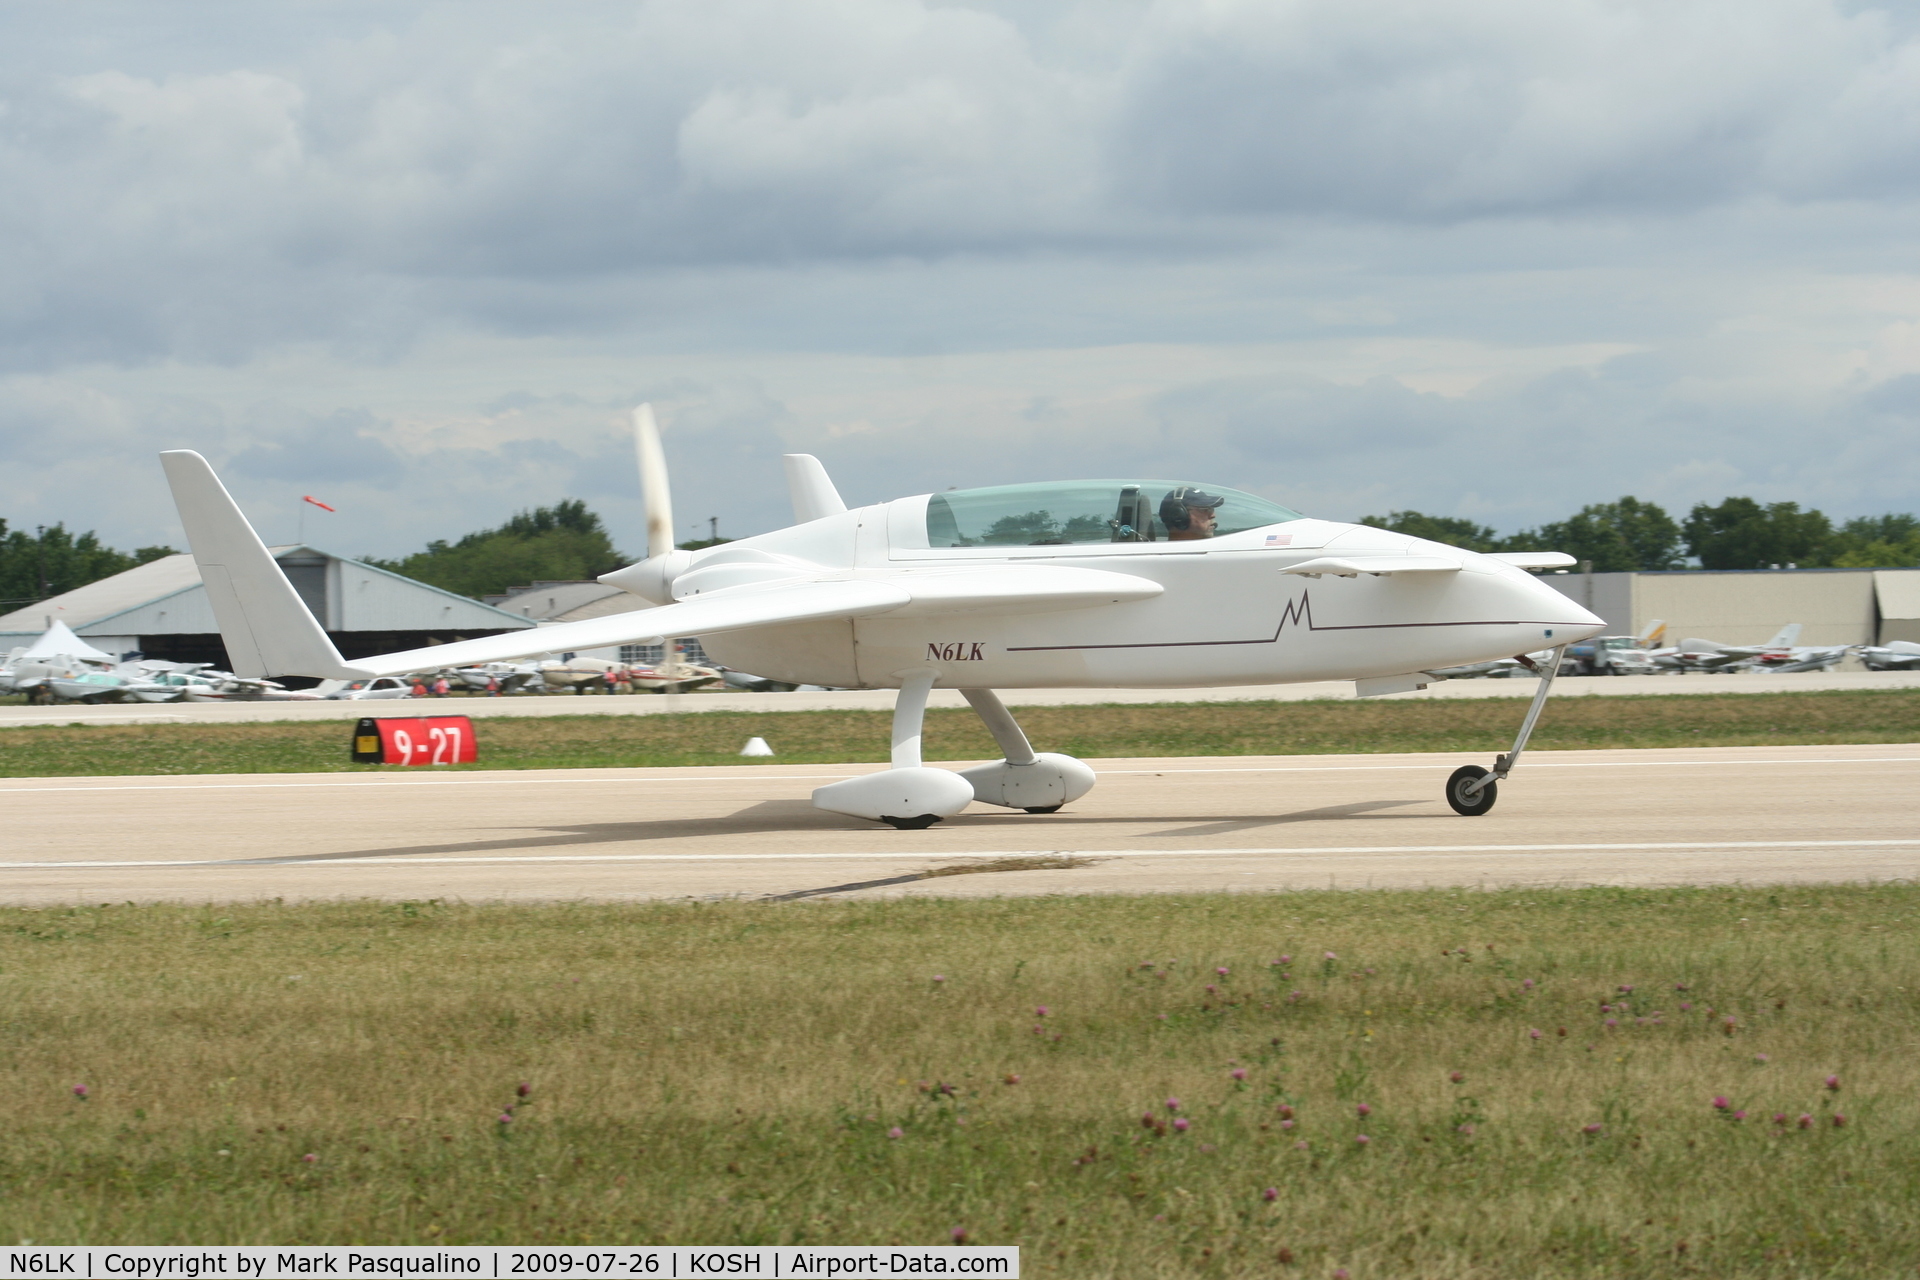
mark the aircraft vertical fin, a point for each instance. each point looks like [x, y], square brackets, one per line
[1786, 637]
[267, 628]
[812, 490]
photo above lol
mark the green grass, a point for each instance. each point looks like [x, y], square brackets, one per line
[1182, 729]
[730, 1073]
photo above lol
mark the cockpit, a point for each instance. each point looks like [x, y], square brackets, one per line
[1091, 511]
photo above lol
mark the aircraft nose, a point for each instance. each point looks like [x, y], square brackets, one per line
[1562, 619]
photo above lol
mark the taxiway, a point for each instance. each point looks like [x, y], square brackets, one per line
[22, 717]
[1742, 814]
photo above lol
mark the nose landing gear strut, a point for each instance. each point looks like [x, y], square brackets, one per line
[1472, 790]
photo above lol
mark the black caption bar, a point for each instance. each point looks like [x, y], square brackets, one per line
[491, 1262]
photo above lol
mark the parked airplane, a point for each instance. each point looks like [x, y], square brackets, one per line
[506, 677]
[747, 682]
[1894, 655]
[576, 675]
[1091, 583]
[1800, 658]
[1526, 664]
[673, 673]
[1779, 655]
[1695, 654]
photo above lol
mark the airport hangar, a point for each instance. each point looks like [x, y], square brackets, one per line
[160, 610]
[1747, 606]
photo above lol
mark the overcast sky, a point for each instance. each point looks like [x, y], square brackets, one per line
[1490, 258]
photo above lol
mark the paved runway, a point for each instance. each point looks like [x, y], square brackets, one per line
[1753, 814]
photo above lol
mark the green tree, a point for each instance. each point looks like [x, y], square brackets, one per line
[1891, 527]
[1023, 529]
[1464, 534]
[1741, 533]
[1876, 542]
[51, 560]
[562, 543]
[1618, 537]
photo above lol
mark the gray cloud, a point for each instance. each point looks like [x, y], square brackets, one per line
[358, 187]
[1507, 258]
[295, 447]
[1408, 110]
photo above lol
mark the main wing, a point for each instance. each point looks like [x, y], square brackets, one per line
[904, 593]
[734, 610]
[269, 631]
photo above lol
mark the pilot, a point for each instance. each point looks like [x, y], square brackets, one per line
[1189, 513]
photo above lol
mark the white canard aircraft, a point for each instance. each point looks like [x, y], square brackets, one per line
[1091, 583]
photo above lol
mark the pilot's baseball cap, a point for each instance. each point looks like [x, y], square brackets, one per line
[1190, 495]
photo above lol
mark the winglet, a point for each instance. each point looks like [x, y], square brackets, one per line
[813, 493]
[267, 628]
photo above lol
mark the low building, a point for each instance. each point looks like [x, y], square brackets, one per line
[160, 609]
[1748, 606]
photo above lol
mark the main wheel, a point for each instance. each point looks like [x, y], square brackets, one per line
[1045, 808]
[1475, 804]
[920, 823]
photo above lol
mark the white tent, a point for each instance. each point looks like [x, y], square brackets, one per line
[60, 642]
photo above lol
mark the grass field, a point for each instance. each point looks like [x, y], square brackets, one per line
[1186, 729]
[874, 1072]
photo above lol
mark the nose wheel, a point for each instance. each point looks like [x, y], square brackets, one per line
[1466, 792]
[1471, 790]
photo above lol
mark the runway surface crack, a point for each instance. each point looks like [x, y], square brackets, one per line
[1038, 862]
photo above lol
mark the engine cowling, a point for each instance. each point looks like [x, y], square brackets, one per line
[652, 578]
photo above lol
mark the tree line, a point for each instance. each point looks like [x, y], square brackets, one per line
[562, 543]
[51, 560]
[568, 543]
[1737, 533]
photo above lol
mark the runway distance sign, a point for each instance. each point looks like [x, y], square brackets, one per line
[414, 740]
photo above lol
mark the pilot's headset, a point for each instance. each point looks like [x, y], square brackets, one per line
[1176, 507]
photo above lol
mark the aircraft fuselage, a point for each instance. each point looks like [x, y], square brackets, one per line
[1227, 614]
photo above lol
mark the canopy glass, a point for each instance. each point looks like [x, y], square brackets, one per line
[1078, 511]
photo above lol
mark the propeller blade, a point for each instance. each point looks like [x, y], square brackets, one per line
[653, 482]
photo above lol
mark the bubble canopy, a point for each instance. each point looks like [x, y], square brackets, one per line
[1061, 513]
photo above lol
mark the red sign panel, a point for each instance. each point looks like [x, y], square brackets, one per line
[415, 740]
